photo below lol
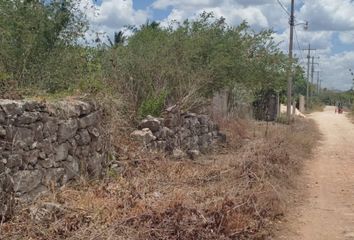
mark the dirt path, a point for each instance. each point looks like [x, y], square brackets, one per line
[327, 211]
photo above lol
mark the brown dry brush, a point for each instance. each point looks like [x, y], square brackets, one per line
[233, 194]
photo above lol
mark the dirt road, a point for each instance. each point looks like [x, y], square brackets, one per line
[327, 210]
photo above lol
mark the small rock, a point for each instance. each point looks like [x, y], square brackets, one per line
[11, 108]
[84, 137]
[32, 157]
[42, 155]
[151, 123]
[90, 120]
[46, 212]
[2, 117]
[25, 181]
[14, 160]
[178, 154]
[72, 169]
[94, 132]
[144, 136]
[62, 152]
[48, 162]
[2, 132]
[193, 154]
[165, 132]
[23, 137]
[50, 127]
[28, 117]
[67, 129]
[53, 176]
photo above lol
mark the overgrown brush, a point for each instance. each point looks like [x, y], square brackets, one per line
[234, 195]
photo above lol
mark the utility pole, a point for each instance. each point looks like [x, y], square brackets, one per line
[312, 73]
[290, 72]
[318, 82]
[308, 75]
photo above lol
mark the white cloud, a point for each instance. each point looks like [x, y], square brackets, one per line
[253, 11]
[335, 70]
[186, 4]
[328, 15]
[113, 15]
[347, 37]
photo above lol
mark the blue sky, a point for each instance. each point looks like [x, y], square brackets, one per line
[331, 24]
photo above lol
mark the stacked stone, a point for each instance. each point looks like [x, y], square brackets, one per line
[46, 145]
[179, 133]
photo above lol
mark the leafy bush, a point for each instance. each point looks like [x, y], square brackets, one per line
[153, 105]
[193, 60]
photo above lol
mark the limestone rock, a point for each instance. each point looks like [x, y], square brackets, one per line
[203, 120]
[62, 152]
[51, 127]
[144, 136]
[48, 162]
[23, 137]
[90, 120]
[178, 154]
[26, 180]
[2, 132]
[193, 154]
[2, 117]
[164, 133]
[37, 129]
[14, 160]
[32, 106]
[72, 169]
[11, 108]
[67, 129]
[7, 200]
[53, 176]
[83, 138]
[94, 132]
[151, 123]
[171, 121]
[28, 117]
[46, 212]
[32, 157]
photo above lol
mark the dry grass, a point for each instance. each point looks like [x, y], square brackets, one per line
[235, 193]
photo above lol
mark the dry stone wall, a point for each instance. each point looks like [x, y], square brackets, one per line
[45, 145]
[179, 133]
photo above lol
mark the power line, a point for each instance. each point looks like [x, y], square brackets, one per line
[283, 7]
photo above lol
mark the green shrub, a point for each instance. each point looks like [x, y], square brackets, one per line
[153, 105]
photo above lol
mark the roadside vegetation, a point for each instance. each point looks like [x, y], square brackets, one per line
[44, 53]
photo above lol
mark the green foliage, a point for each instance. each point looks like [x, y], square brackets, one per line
[193, 60]
[300, 83]
[39, 42]
[184, 64]
[153, 105]
[328, 97]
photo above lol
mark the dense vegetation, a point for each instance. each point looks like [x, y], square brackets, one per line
[43, 48]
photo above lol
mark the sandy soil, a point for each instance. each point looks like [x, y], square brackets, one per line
[326, 209]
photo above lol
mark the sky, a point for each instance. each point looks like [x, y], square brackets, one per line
[331, 25]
